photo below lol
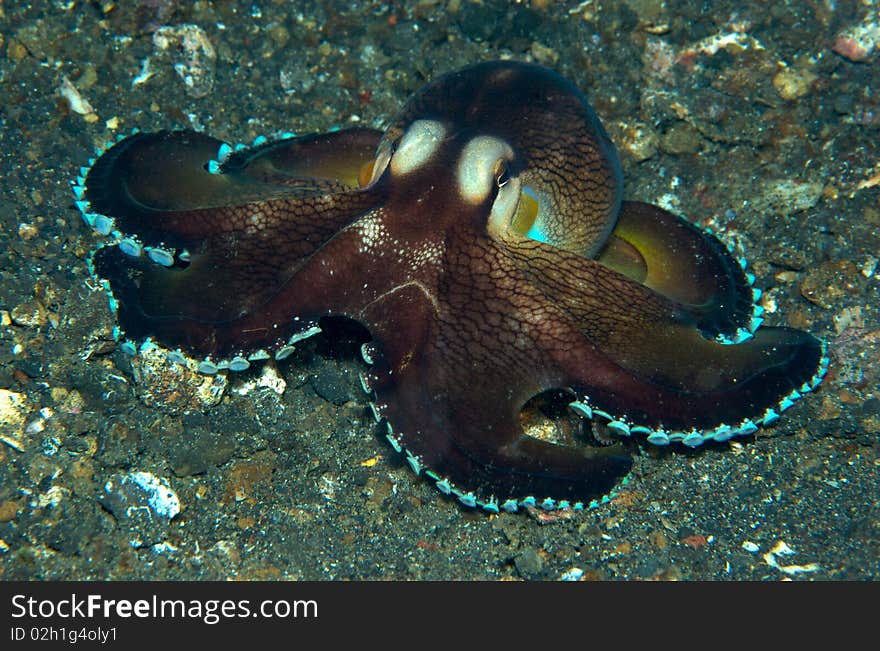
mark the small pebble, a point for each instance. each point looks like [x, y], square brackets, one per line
[639, 140]
[529, 563]
[681, 138]
[27, 231]
[142, 504]
[13, 410]
[31, 314]
[574, 574]
[792, 84]
[8, 510]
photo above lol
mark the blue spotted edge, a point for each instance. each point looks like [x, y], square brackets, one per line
[468, 498]
[621, 426]
[757, 317]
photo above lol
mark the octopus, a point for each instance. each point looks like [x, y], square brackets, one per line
[483, 242]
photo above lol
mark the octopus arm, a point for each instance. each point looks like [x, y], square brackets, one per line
[683, 263]
[641, 358]
[199, 252]
[452, 405]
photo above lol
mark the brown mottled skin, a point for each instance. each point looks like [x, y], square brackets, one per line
[468, 322]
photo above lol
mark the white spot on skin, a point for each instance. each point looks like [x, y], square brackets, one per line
[420, 142]
[255, 223]
[375, 242]
[373, 234]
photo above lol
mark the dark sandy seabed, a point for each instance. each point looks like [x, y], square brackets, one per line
[744, 119]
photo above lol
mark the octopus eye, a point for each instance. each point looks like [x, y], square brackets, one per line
[488, 177]
[502, 173]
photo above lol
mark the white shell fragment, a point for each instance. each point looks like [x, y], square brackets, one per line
[77, 103]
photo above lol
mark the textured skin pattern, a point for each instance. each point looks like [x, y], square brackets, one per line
[621, 304]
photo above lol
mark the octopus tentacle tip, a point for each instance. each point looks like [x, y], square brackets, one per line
[484, 271]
